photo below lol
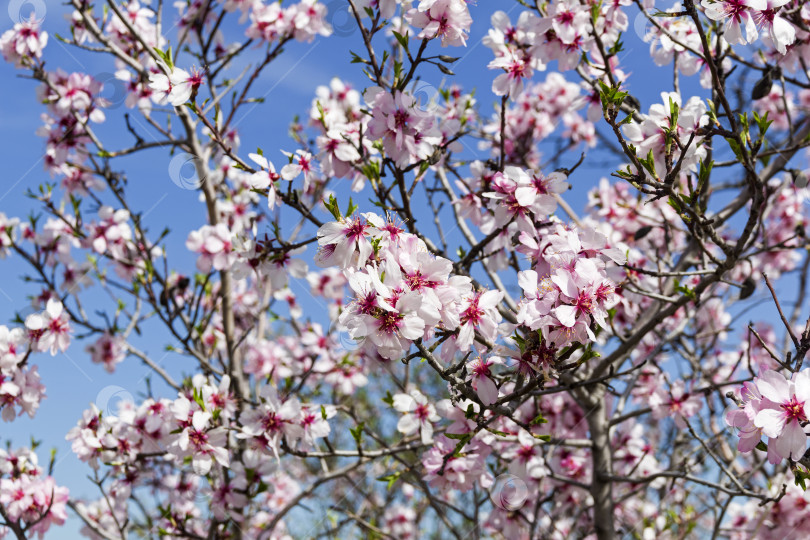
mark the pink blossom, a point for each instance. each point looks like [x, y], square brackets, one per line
[457, 472]
[215, 246]
[198, 438]
[418, 415]
[175, 88]
[273, 421]
[737, 14]
[49, 330]
[408, 133]
[782, 410]
[108, 350]
[676, 403]
[448, 19]
[24, 42]
[347, 242]
[482, 378]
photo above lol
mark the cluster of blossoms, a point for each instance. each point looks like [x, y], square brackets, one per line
[50, 329]
[196, 429]
[215, 244]
[752, 16]
[670, 131]
[336, 113]
[408, 132]
[271, 22]
[175, 86]
[679, 36]
[775, 407]
[406, 122]
[28, 495]
[20, 387]
[563, 33]
[24, 42]
[522, 198]
[73, 100]
[536, 113]
[330, 358]
[514, 201]
[108, 350]
[568, 288]
[782, 519]
[401, 292]
[449, 20]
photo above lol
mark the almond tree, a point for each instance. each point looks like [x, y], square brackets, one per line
[489, 361]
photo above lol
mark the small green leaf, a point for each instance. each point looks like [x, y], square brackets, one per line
[402, 39]
[352, 207]
[390, 478]
[357, 433]
[332, 206]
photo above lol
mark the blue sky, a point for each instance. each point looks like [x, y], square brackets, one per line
[288, 86]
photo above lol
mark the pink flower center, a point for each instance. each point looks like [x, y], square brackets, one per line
[733, 8]
[390, 322]
[271, 423]
[473, 314]
[355, 230]
[422, 412]
[481, 368]
[197, 438]
[584, 303]
[526, 453]
[794, 409]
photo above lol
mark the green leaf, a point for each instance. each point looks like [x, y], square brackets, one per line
[165, 56]
[390, 478]
[538, 420]
[617, 47]
[352, 207]
[735, 148]
[686, 291]
[357, 433]
[198, 399]
[674, 203]
[402, 39]
[800, 478]
[356, 59]
[332, 206]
